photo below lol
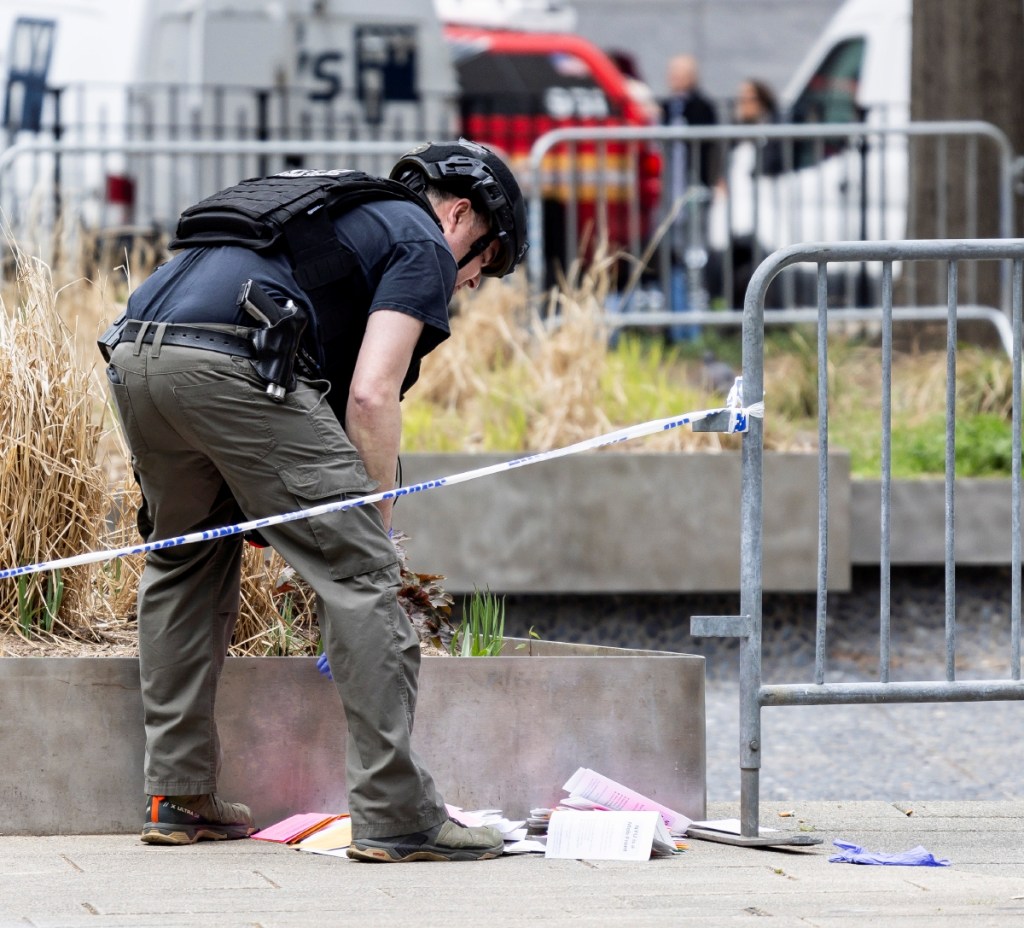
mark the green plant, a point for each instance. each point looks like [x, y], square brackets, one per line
[508, 382]
[984, 448]
[282, 632]
[482, 630]
[642, 378]
[52, 599]
[112, 573]
[793, 360]
[25, 615]
[39, 603]
[532, 635]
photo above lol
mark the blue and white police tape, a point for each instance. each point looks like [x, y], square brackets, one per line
[739, 421]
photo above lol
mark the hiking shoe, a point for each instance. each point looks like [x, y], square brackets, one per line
[187, 819]
[447, 841]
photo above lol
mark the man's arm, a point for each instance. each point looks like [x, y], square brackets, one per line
[373, 417]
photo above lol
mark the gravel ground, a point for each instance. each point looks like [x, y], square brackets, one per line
[944, 751]
[956, 751]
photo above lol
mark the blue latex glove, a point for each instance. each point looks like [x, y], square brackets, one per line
[915, 857]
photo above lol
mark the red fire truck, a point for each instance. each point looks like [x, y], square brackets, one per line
[514, 86]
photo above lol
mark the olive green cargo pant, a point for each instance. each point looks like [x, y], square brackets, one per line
[205, 441]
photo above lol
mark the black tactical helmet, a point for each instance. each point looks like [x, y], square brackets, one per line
[477, 173]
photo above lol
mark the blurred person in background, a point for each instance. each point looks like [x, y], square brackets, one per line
[687, 105]
[691, 168]
[756, 104]
[749, 162]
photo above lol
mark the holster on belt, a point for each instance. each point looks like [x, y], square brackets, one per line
[109, 339]
[277, 343]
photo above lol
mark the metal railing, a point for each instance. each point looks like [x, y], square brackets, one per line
[53, 188]
[818, 691]
[64, 185]
[825, 182]
[995, 318]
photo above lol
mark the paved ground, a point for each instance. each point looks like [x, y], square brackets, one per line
[115, 881]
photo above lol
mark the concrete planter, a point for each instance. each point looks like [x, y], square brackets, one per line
[670, 523]
[621, 523]
[496, 732]
[982, 513]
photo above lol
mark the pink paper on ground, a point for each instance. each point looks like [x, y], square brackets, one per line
[287, 829]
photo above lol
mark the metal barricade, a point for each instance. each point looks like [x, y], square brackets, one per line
[754, 695]
[778, 184]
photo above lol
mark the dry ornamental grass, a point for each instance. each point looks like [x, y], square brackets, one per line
[53, 491]
[63, 492]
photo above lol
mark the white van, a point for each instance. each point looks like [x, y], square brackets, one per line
[858, 71]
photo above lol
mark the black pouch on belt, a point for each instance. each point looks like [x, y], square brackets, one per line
[276, 344]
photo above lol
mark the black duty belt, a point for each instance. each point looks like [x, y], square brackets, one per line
[189, 336]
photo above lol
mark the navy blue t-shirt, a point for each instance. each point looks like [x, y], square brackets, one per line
[406, 266]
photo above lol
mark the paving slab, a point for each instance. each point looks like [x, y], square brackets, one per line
[115, 881]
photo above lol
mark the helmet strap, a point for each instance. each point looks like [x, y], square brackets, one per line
[477, 248]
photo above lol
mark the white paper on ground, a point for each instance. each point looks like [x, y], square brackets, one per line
[500, 823]
[533, 845]
[336, 852]
[494, 818]
[602, 835]
[469, 819]
[582, 804]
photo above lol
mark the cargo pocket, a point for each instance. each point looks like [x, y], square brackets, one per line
[352, 542]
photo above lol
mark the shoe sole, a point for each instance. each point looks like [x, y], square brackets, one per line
[379, 855]
[182, 836]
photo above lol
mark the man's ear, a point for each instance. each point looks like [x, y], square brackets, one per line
[451, 212]
[462, 210]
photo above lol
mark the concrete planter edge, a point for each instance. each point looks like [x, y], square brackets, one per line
[501, 732]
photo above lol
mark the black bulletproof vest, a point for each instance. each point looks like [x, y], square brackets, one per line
[293, 212]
